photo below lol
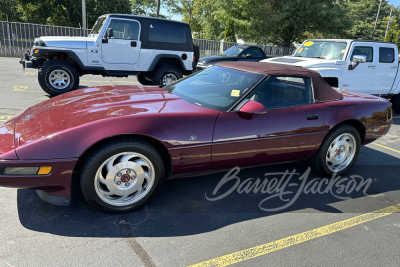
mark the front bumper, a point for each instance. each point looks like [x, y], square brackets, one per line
[53, 187]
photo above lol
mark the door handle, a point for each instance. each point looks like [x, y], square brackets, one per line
[312, 116]
[394, 67]
[371, 66]
[133, 44]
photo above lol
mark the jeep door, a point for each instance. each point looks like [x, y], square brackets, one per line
[124, 46]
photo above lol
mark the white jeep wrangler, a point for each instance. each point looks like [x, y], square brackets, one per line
[158, 51]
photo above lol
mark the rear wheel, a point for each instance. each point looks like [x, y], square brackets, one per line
[396, 103]
[142, 79]
[338, 152]
[121, 176]
[166, 74]
[57, 77]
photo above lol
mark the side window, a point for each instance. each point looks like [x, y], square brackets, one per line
[125, 29]
[363, 51]
[167, 33]
[255, 52]
[386, 55]
[283, 91]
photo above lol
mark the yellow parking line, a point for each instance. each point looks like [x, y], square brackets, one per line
[388, 148]
[297, 239]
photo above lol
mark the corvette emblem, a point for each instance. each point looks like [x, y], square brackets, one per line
[193, 138]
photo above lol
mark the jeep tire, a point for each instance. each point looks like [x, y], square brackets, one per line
[57, 77]
[396, 103]
[166, 74]
[142, 79]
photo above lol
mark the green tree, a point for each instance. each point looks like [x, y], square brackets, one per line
[282, 22]
[229, 34]
[362, 13]
[149, 7]
[8, 9]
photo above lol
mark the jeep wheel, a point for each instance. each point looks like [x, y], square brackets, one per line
[143, 80]
[57, 77]
[166, 74]
[396, 103]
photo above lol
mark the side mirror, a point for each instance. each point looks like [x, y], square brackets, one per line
[110, 33]
[247, 56]
[253, 107]
[357, 59]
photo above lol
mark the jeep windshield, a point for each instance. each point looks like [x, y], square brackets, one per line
[322, 49]
[217, 87]
[97, 26]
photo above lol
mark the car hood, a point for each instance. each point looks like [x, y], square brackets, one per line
[66, 42]
[306, 62]
[91, 104]
[207, 60]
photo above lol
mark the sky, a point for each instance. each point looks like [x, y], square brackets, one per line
[394, 2]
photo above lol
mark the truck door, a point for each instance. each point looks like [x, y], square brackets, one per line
[386, 69]
[361, 78]
[124, 46]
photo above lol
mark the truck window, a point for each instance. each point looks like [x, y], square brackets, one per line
[386, 55]
[363, 51]
[125, 29]
[167, 33]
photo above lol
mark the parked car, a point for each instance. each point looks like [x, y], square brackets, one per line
[123, 141]
[158, 51]
[235, 53]
[363, 66]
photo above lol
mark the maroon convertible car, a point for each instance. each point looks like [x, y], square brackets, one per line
[123, 141]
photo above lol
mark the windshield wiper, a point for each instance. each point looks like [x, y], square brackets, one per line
[320, 57]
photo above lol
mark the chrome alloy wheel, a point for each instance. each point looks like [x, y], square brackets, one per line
[169, 78]
[59, 79]
[341, 152]
[124, 179]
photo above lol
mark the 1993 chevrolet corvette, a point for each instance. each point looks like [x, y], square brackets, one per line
[123, 141]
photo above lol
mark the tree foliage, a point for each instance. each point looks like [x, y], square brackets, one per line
[229, 34]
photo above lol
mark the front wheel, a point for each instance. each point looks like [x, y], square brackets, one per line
[166, 74]
[57, 77]
[338, 152]
[121, 176]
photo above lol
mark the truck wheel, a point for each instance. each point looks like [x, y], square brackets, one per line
[338, 152]
[142, 79]
[57, 77]
[121, 176]
[396, 103]
[166, 74]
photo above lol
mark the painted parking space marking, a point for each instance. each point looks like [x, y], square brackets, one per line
[20, 88]
[258, 251]
[30, 73]
[388, 148]
[5, 118]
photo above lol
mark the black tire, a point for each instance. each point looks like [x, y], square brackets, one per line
[93, 190]
[396, 103]
[196, 50]
[165, 71]
[52, 66]
[142, 79]
[319, 164]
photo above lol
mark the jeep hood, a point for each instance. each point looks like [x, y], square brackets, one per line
[65, 42]
[306, 62]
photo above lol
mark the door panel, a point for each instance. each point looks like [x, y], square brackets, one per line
[282, 134]
[386, 70]
[124, 46]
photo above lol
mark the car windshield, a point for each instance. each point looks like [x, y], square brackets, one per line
[217, 87]
[322, 49]
[234, 51]
[97, 26]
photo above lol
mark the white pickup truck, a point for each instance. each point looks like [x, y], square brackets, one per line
[364, 66]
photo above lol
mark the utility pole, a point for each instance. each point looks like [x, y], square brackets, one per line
[390, 20]
[158, 8]
[377, 15]
[84, 14]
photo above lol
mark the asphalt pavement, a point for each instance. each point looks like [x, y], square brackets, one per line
[356, 223]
